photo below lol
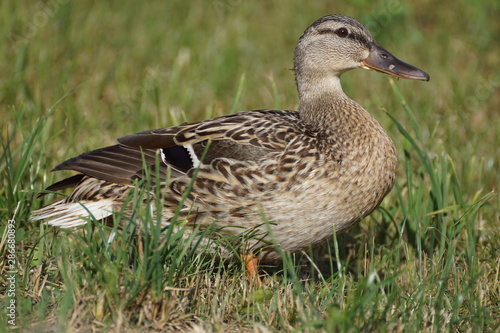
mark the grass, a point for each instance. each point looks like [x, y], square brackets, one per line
[77, 75]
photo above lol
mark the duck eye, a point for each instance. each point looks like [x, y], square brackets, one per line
[342, 32]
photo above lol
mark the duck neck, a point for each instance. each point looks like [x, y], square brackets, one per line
[323, 103]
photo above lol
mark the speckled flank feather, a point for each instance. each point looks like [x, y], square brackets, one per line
[304, 173]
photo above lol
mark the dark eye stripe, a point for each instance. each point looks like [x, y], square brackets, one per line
[351, 35]
[326, 31]
[360, 38]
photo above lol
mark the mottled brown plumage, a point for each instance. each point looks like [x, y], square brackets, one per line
[298, 175]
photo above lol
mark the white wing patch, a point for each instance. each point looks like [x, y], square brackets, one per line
[73, 214]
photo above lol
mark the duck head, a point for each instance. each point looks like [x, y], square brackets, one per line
[335, 44]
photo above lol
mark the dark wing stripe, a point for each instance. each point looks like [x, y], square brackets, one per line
[117, 164]
[152, 139]
[63, 184]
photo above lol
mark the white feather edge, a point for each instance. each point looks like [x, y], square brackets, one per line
[192, 154]
[72, 214]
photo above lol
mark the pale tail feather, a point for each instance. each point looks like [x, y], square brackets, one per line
[73, 214]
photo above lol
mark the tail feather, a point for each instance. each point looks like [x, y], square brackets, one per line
[73, 214]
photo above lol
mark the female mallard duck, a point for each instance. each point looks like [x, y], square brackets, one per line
[290, 178]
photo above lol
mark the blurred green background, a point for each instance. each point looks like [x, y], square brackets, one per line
[127, 66]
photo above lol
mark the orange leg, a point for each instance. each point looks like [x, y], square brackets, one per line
[252, 266]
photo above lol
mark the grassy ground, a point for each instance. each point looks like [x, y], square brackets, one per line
[76, 75]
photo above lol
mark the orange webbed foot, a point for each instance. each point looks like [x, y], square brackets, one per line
[252, 267]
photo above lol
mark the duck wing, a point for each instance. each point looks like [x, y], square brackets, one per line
[246, 137]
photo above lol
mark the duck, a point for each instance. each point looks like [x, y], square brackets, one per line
[269, 181]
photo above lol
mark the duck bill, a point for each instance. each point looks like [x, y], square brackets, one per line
[382, 60]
